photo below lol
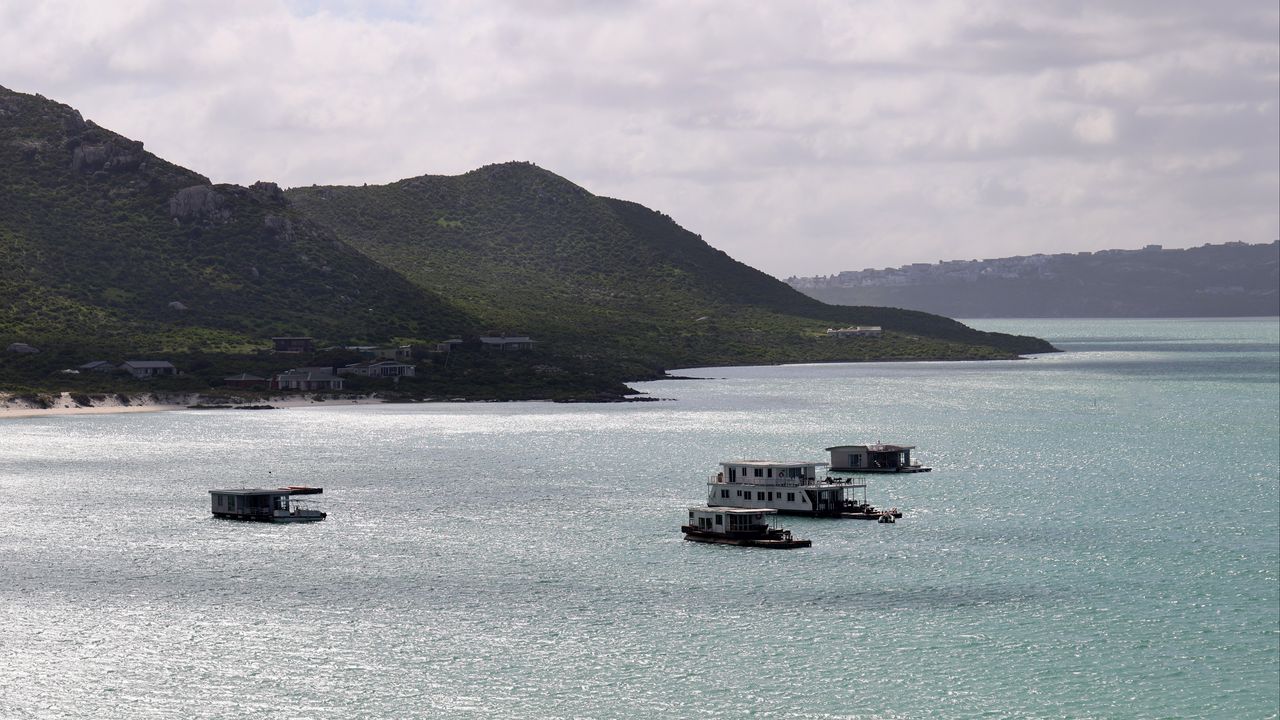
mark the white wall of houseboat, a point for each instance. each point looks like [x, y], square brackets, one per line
[768, 473]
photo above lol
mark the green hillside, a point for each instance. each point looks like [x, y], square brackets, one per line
[530, 252]
[107, 251]
[106, 245]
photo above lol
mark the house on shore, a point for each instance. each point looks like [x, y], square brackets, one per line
[143, 369]
[503, 343]
[101, 366]
[380, 369]
[245, 380]
[293, 345]
[317, 378]
[400, 353]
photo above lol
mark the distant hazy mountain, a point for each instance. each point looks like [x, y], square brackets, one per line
[1230, 280]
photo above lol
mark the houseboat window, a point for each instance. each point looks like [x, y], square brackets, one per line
[733, 474]
[791, 497]
[759, 472]
[770, 496]
[724, 493]
[759, 495]
[770, 472]
[690, 515]
[719, 519]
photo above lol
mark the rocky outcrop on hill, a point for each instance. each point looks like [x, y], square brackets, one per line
[199, 202]
[109, 156]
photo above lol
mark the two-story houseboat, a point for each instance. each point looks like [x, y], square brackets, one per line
[791, 488]
[875, 458]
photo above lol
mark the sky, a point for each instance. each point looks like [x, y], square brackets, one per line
[803, 138]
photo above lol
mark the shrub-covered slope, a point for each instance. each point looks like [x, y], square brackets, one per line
[528, 251]
[108, 245]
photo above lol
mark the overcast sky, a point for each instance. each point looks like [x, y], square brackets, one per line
[800, 137]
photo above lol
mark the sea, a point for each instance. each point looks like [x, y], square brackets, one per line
[1099, 538]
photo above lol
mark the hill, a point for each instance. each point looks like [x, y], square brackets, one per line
[105, 243]
[531, 252]
[1228, 280]
[109, 251]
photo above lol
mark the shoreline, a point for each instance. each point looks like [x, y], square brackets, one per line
[63, 405]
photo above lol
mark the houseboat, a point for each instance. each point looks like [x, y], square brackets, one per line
[791, 488]
[265, 505]
[874, 458]
[735, 526]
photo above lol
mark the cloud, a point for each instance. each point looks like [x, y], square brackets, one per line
[800, 138]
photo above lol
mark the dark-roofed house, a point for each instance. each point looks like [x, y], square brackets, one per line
[101, 366]
[293, 344]
[245, 380]
[380, 369]
[506, 343]
[307, 379]
[148, 368]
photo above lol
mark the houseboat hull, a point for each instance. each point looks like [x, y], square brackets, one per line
[308, 516]
[779, 542]
[912, 469]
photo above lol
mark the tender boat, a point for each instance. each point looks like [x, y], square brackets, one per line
[736, 526]
[791, 488]
[875, 458]
[265, 505]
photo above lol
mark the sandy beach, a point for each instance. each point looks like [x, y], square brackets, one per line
[12, 406]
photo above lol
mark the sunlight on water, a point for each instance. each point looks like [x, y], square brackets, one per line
[1098, 539]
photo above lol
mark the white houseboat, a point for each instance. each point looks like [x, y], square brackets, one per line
[264, 505]
[791, 488]
[874, 458]
[736, 526]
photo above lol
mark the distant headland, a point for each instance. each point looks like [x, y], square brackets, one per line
[1232, 279]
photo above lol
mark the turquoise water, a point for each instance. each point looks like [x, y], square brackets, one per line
[1100, 538]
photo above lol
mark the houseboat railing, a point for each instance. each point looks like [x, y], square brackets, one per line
[719, 479]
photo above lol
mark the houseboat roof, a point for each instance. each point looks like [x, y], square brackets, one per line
[874, 447]
[732, 510]
[774, 463]
[270, 491]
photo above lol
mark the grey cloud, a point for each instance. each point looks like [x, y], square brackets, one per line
[873, 128]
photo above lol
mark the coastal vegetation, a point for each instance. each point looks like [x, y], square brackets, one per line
[108, 252]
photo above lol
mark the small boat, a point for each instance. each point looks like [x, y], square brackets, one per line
[265, 505]
[737, 526]
[864, 511]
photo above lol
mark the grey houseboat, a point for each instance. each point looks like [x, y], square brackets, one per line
[874, 458]
[264, 505]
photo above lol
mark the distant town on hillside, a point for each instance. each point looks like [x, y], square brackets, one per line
[1233, 279]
